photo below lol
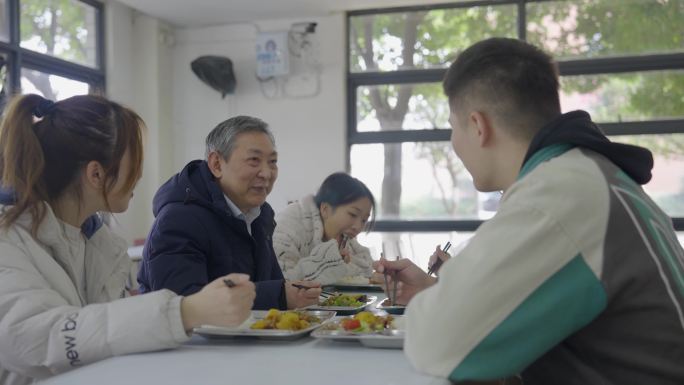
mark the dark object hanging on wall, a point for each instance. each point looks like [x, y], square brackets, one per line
[216, 72]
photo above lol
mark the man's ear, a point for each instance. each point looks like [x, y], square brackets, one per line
[94, 175]
[483, 127]
[214, 162]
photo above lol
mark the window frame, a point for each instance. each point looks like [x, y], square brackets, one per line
[19, 57]
[603, 65]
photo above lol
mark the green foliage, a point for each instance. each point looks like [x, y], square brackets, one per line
[590, 28]
[446, 32]
[567, 29]
[58, 24]
[438, 37]
[577, 29]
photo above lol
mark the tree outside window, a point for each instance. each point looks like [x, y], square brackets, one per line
[601, 43]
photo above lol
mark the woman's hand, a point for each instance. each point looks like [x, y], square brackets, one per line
[346, 255]
[218, 304]
[342, 241]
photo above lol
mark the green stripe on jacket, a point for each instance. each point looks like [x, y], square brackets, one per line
[564, 303]
[543, 155]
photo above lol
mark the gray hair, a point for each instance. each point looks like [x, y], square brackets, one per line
[223, 137]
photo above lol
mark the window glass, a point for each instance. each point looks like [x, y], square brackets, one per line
[632, 96]
[594, 28]
[667, 185]
[426, 180]
[420, 180]
[4, 21]
[425, 105]
[62, 28]
[50, 86]
[419, 246]
[423, 39]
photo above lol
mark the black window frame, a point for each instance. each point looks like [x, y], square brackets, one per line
[604, 65]
[19, 57]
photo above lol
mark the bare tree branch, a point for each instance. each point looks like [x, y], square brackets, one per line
[53, 28]
[41, 81]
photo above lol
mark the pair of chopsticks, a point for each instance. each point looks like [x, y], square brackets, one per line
[324, 294]
[345, 239]
[392, 296]
[438, 263]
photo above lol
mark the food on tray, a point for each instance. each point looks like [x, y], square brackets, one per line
[286, 320]
[350, 300]
[363, 322]
[355, 279]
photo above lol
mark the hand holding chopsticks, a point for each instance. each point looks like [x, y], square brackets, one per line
[408, 279]
[300, 294]
[225, 301]
[324, 294]
[439, 261]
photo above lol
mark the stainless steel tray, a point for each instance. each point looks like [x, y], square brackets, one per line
[344, 310]
[219, 332]
[387, 339]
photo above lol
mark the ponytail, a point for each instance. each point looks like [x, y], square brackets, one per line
[44, 147]
[22, 161]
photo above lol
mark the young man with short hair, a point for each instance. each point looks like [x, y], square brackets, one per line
[579, 277]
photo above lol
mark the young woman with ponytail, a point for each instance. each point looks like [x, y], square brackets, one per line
[63, 300]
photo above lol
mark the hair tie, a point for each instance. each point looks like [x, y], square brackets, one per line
[43, 108]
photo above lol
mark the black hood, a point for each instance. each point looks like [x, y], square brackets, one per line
[576, 128]
[193, 185]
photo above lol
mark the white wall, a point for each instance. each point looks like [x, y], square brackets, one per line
[148, 69]
[138, 76]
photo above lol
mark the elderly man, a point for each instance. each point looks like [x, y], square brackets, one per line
[212, 219]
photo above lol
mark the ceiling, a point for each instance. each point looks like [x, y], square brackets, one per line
[196, 13]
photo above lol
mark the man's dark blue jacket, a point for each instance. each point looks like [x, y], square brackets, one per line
[195, 239]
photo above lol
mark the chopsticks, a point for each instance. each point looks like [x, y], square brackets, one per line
[392, 296]
[393, 299]
[387, 286]
[345, 239]
[324, 294]
[438, 263]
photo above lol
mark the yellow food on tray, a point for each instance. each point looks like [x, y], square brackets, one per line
[287, 320]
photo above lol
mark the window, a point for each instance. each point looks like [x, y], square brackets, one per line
[52, 48]
[622, 61]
